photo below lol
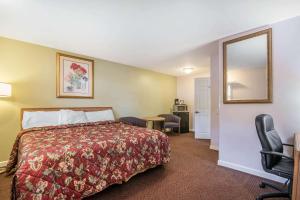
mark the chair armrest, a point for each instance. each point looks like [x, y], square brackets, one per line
[276, 154]
[290, 145]
[176, 118]
[134, 121]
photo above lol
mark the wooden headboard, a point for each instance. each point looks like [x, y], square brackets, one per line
[85, 109]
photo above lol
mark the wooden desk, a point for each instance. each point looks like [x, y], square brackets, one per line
[296, 178]
[153, 120]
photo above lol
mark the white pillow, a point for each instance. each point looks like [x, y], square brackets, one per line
[100, 116]
[71, 117]
[39, 119]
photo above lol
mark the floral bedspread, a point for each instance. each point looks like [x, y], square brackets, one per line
[75, 161]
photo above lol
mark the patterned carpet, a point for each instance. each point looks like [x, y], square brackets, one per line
[191, 174]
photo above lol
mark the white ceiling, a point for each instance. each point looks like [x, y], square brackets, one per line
[161, 35]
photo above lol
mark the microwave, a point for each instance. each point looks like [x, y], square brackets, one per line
[180, 108]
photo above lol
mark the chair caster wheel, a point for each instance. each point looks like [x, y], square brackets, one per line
[262, 185]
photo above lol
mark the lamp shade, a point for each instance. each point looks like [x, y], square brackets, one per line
[5, 90]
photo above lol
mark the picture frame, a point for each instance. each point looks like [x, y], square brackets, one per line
[74, 77]
[262, 42]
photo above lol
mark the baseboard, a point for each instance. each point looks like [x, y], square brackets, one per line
[251, 171]
[202, 136]
[192, 130]
[213, 147]
[3, 163]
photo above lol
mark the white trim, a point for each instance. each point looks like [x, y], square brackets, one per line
[192, 130]
[202, 136]
[3, 163]
[213, 147]
[251, 171]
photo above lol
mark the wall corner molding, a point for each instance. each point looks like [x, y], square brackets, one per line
[251, 171]
[204, 136]
[214, 147]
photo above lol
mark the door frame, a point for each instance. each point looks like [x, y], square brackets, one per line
[204, 135]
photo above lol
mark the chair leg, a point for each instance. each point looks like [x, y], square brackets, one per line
[282, 192]
[272, 195]
[264, 184]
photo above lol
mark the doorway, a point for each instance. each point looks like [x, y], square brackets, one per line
[202, 108]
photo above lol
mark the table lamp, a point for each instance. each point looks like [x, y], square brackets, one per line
[5, 89]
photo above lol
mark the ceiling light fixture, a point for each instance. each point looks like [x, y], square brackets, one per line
[188, 70]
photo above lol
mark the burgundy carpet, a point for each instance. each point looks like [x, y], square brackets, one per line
[191, 174]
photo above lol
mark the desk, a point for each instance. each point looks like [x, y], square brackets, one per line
[296, 178]
[155, 119]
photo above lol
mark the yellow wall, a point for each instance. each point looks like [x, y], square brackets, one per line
[31, 69]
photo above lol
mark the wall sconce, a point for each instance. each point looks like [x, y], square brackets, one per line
[5, 90]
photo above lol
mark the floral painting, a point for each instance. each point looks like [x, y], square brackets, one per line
[75, 77]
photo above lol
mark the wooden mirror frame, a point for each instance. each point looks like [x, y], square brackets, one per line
[269, 98]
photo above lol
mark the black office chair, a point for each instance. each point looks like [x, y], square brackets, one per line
[272, 158]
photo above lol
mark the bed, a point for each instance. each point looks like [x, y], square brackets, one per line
[73, 161]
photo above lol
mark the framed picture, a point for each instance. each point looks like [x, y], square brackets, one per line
[75, 77]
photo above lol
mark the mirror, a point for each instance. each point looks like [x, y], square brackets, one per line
[247, 68]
